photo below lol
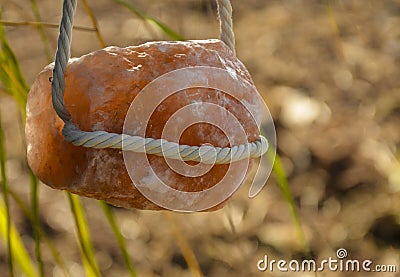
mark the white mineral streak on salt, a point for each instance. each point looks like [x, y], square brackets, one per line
[202, 79]
[99, 90]
[113, 54]
[198, 109]
[99, 126]
[104, 165]
[70, 61]
[142, 55]
[135, 68]
[152, 182]
[232, 72]
[29, 148]
[192, 198]
[222, 100]
[181, 56]
[163, 47]
[203, 41]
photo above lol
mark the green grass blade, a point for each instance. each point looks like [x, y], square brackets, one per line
[120, 239]
[28, 213]
[43, 37]
[336, 30]
[183, 244]
[36, 221]
[284, 186]
[11, 83]
[20, 254]
[10, 73]
[144, 16]
[14, 81]
[16, 250]
[37, 230]
[94, 23]
[44, 24]
[84, 239]
[34, 181]
[4, 188]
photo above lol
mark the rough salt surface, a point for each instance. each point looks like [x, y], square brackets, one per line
[99, 89]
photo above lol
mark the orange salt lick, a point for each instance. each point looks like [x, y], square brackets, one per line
[99, 89]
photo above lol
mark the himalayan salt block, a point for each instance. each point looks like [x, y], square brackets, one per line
[99, 89]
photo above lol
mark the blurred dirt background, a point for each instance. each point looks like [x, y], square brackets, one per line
[330, 74]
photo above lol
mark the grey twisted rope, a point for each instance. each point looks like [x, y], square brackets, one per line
[61, 61]
[159, 147]
[226, 25]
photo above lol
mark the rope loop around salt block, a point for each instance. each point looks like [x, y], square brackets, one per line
[159, 147]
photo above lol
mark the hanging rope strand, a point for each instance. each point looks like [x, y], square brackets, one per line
[158, 147]
[226, 24]
[61, 61]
